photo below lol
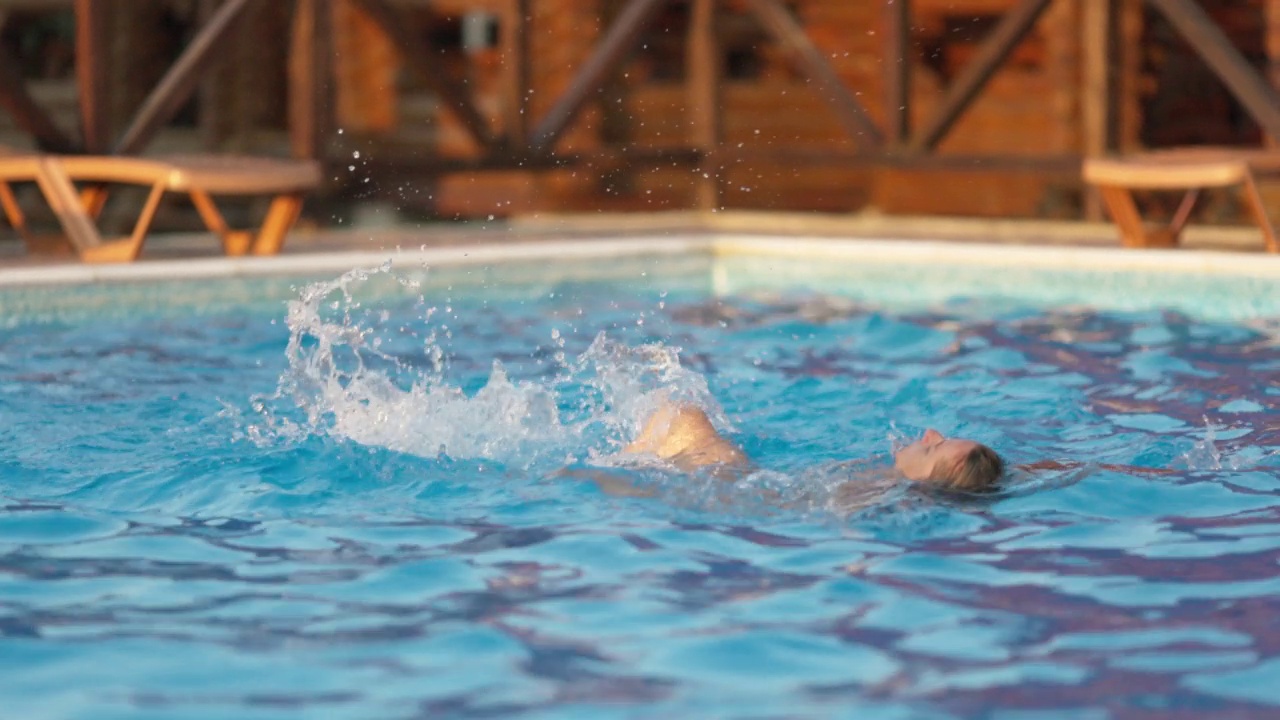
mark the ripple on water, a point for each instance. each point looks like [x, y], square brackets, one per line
[357, 512]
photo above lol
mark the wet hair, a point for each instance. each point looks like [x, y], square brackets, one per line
[978, 471]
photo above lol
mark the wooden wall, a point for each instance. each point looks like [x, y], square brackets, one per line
[1030, 108]
[1034, 106]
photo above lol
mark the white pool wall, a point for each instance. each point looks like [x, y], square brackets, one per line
[1209, 284]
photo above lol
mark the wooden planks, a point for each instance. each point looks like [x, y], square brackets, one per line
[177, 85]
[421, 57]
[1259, 98]
[703, 92]
[612, 48]
[310, 74]
[897, 70]
[796, 43]
[91, 73]
[1008, 33]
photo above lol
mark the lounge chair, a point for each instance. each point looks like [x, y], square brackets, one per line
[1190, 169]
[200, 177]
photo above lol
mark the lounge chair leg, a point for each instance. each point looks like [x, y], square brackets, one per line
[1253, 199]
[36, 244]
[234, 242]
[1183, 213]
[60, 193]
[13, 212]
[129, 249]
[143, 226]
[280, 218]
[1133, 232]
[94, 198]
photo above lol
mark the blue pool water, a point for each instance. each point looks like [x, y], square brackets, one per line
[370, 503]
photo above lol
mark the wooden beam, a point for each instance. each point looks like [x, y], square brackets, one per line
[310, 57]
[36, 5]
[26, 112]
[703, 95]
[1062, 168]
[1096, 89]
[1012, 28]
[777, 20]
[1065, 168]
[1271, 25]
[216, 112]
[1096, 44]
[516, 21]
[413, 167]
[1213, 46]
[420, 55]
[91, 73]
[180, 81]
[897, 70]
[612, 49]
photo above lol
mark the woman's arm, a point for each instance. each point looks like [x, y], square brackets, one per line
[1072, 465]
[684, 436]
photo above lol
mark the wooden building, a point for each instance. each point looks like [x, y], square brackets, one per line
[434, 105]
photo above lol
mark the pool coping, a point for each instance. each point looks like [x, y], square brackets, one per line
[714, 245]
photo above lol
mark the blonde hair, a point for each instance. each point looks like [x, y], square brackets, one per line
[978, 471]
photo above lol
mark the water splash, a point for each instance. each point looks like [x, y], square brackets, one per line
[1205, 453]
[899, 437]
[352, 375]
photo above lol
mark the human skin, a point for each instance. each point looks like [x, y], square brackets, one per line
[684, 436]
[932, 458]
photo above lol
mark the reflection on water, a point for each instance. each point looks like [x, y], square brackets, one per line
[362, 511]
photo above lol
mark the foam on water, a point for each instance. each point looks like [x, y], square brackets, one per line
[346, 379]
[343, 383]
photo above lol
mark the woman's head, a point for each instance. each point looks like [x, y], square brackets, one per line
[951, 463]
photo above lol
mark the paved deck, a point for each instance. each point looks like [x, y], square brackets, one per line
[590, 226]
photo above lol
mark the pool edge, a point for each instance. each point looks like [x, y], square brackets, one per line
[715, 245]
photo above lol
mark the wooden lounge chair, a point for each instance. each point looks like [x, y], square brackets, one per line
[1187, 169]
[200, 177]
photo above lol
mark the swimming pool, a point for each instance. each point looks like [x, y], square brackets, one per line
[319, 493]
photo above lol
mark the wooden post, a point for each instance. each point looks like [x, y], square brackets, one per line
[309, 75]
[702, 61]
[897, 70]
[1095, 41]
[214, 93]
[1128, 59]
[515, 57]
[91, 73]
[1271, 25]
